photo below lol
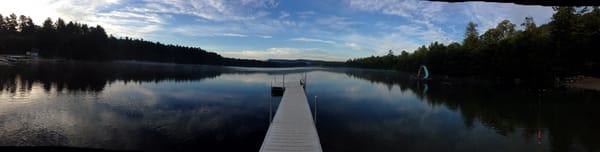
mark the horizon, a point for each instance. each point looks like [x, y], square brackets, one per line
[269, 29]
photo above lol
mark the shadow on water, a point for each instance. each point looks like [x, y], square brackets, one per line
[566, 118]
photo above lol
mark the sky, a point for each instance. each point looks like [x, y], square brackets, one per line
[334, 30]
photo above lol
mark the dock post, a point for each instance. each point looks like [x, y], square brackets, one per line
[270, 109]
[304, 81]
[315, 116]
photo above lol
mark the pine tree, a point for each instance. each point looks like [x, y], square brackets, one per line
[471, 36]
[11, 23]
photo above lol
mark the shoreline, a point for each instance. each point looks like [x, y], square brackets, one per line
[585, 82]
[578, 82]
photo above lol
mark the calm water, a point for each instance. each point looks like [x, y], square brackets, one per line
[159, 107]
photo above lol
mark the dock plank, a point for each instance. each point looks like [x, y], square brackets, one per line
[293, 128]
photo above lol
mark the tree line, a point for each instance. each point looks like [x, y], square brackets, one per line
[76, 41]
[568, 45]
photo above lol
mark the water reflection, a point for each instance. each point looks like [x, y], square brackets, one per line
[93, 77]
[161, 107]
[557, 120]
[132, 106]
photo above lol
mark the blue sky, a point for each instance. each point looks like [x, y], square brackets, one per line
[263, 29]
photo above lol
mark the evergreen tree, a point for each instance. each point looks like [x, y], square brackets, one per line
[11, 23]
[566, 46]
[48, 25]
[3, 27]
[26, 25]
[471, 36]
[529, 24]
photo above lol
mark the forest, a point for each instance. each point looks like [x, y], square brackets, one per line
[75, 41]
[568, 45]
[564, 47]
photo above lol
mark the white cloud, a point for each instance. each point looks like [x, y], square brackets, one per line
[306, 14]
[353, 46]
[406, 8]
[428, 32]
[335, 22]
[234, 35]
[263, 28]
[128, 23]
[379, 45]
[125, 18]
[214, 10]
[480, 13]
[39, 10]
[265, 36]
[426, 19]
[285, 53]
[304, 39]
[119, 22]
[284, 15]
[423, 16]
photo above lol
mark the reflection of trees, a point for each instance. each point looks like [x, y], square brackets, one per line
[567, 116]
[173, 123]
[93, 77]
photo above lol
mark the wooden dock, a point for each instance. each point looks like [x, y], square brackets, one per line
[293, 128]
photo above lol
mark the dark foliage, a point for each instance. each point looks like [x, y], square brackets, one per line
[75, 41]
[535, 2]
[566, 46]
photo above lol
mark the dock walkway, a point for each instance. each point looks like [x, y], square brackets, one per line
[293, 128]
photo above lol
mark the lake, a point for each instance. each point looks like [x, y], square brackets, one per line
[167, 107]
